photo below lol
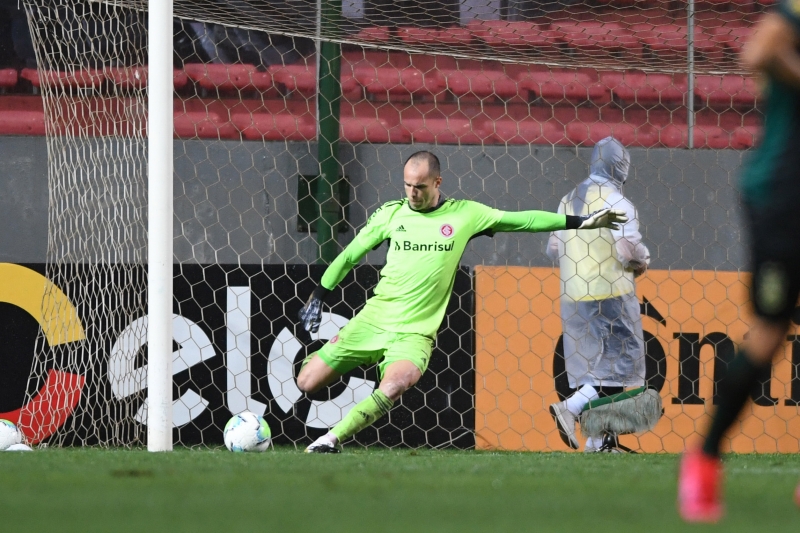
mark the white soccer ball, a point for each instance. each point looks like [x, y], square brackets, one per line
[9, 434]
[247, 432]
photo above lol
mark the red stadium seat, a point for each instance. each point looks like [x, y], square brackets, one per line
[566, 86]
[710, 19]
[8, 78]
[745, 137]
[479, 29]
[373, 34]
[275, 120]
[21, 115]
[732, 39]
[136, 77]
[669, 42]
[213, 77]
[302, 78]
[520, 125]
[444, 125]
[594, 38]
[713, 137]
[456, 35]
[646, 89]
[364, 122]
[637, 15]
[728, 91]
[482, 79]
[203, 119]
[387, 80]
[504, 35]
[74, 79]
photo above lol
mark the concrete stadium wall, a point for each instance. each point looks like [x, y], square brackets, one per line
[237, 202]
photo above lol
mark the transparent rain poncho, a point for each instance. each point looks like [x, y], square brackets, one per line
[603, 340]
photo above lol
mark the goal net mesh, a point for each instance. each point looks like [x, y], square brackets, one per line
[511, 96]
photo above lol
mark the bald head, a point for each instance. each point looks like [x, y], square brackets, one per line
[427, 160]
[421, 177]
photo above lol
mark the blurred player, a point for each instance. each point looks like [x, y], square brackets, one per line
[770, 187]
[603, 339]
[427, 235]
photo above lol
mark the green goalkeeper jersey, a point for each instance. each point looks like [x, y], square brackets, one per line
[424, 252]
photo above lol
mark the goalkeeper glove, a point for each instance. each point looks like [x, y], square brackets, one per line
[604, 218]
[311, 313]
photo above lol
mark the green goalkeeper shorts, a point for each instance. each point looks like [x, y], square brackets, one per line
[359, 343]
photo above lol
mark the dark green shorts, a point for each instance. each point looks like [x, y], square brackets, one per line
[360, 343]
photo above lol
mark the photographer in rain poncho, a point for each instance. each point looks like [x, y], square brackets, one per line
[603, 340]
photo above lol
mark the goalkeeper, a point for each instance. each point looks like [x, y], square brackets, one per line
[427, 235]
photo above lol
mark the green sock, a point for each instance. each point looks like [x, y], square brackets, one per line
[364, 414]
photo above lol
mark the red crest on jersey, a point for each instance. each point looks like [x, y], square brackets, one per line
[335, 339]
[447, 231]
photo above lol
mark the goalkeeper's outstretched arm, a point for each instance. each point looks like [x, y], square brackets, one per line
[538, 221]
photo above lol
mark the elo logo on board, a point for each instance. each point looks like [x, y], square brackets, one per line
[447, 231]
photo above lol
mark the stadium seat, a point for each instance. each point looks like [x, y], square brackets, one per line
[713, 137]
[731, 39]
[373, 34]
[364, 122]
[594, 38]
[276, 120]
[745, 137]
[453, 36]
[204, 118]
[136, 77]
[669, 42]
[710, 19]
[729, 119]
[386, 80]
[637, 15]
[21, 115]
[217, 77]
[561, 86]
[521, 36]
[444, 125]
[203, 125]
[302, 78]
[78, 79]
[483, 79]
[646, 89]
[521, 124]
[727, 91]
[8, 78]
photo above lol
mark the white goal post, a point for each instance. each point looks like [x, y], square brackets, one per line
[160, 221]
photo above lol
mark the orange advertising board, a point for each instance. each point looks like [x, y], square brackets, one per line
[692, 320]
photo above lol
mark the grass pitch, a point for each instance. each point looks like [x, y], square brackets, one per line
[88, 490]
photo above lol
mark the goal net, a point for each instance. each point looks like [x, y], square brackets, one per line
[292, 123]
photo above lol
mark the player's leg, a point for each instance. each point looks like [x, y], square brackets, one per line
[315, 374]
[398, 377]
[774, 293]
[357, 344]
[404, 361]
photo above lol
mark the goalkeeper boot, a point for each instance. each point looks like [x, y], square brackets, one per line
[322, 445]
[565, 422]
[699, 486]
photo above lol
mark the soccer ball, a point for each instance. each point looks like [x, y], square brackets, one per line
[9, 434]
[247, 432]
